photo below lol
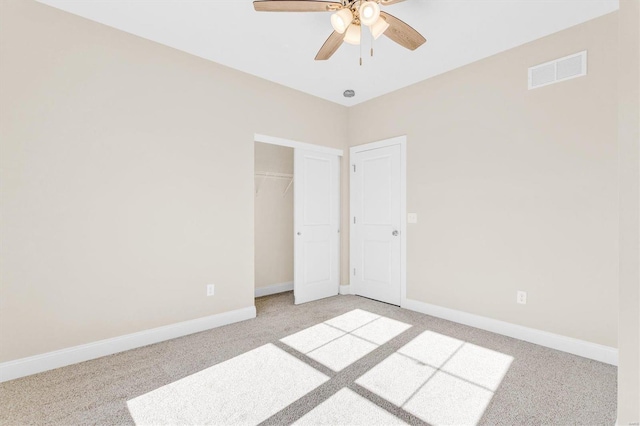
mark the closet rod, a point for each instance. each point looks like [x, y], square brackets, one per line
[273, 175]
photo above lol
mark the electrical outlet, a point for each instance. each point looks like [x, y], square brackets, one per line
[522, 297]
[210, 289]
[412, 218]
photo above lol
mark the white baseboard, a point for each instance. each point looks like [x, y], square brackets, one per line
[274, 289]
[345, 289]
[48, 361]
[578, 347]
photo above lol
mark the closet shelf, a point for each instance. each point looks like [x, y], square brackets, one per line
[272, 175]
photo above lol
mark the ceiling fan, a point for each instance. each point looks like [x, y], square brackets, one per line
[348, 19]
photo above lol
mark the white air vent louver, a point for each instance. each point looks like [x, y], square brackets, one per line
[558, 70]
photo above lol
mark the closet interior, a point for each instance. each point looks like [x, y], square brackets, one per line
[273, 170]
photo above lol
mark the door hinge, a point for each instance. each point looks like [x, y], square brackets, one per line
[354, 168]
[354, 220]
[354, 271]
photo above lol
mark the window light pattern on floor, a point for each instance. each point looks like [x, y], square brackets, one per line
[441, 380]
[348, 408]
[436, 378]
[341, 341]
[247, 390]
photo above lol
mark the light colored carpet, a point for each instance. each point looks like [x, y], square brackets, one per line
[342, 360]
[348, 408]
[247, 389]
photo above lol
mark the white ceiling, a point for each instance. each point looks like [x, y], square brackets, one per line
[281, 46]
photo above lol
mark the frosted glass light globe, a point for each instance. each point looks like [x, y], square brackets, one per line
[341, 20]
[369, 12]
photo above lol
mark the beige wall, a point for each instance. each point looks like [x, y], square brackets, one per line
[273, 217]
[126, 179]
[127, 182]
[514, 189]
[629, 145]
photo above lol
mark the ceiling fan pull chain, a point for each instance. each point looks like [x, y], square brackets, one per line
[370, 33]
[361, 45]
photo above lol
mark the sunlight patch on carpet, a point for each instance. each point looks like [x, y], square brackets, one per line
[381, 330]
[431, 348]
[247, 389]
[348, 408]
[341, 341]
[436, 378]
[342, 352]
[352, 320]
[439, 379]
[312, 338]
[396, 378]
[479, 365]
[445, 400]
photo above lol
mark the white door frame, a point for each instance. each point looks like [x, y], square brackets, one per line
[402, 141]
[295, 144]
[273, 140]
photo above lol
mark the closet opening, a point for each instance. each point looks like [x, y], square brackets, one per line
[273, 220]
[296, 219]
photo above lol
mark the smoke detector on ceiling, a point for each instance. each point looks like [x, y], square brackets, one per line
[349, 93]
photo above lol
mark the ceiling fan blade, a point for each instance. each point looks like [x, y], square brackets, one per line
[389, 2]
[402, 33]
[295, 6]
[330, 46]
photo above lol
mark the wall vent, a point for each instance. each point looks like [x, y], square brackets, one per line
[558, 70]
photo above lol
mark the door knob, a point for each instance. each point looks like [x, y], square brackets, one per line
[395, 233]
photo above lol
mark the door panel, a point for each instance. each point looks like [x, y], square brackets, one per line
[376, 266]
[318, 266]
[316, 225]
[376, 204]
[376, 182]
[317, 190]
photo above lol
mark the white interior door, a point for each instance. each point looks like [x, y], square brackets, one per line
[376, 223]
[316, 225]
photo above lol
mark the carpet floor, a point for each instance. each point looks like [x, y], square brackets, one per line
[342, 360]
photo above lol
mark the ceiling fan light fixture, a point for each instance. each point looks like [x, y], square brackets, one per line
[341, 20]
[352, 36]
[379, 28]
[369, 12]
[348, 17]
